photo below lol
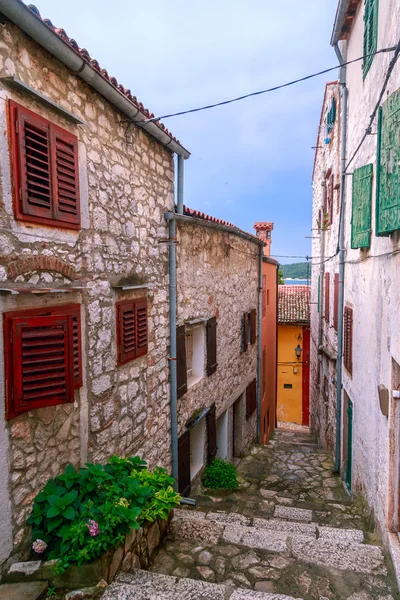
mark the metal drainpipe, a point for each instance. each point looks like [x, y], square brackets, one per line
[172, 325]
[341, 263]
[259, 345]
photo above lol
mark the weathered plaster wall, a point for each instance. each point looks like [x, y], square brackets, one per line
[324, 245]
[217, 275]
[126, 185]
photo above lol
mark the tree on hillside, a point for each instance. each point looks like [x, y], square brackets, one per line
[281, 281]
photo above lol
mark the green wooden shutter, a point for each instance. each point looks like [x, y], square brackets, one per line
[370, 33]
[388, 172]
[361, 207]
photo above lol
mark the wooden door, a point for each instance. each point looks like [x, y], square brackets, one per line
[184, 464]
[212, 434]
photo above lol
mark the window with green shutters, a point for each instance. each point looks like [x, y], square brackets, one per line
[361, 207]
[370, 33]
[388, 171]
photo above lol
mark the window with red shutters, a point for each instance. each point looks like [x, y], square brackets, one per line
[327, 296]
[44, 170]
[348, 339]
[131, 329]
[42, 358]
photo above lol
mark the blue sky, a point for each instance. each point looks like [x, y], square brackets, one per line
[252, 160]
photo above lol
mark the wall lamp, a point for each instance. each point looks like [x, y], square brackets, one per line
[298, 350]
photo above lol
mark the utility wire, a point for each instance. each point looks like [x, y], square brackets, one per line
[272, 89]
[385, 83]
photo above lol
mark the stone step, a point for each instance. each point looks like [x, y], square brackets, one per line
[144, 585]
[341, 549]
[33, 590]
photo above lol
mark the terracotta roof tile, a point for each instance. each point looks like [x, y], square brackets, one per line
[83, 53]
[294, 303]
[197, 214]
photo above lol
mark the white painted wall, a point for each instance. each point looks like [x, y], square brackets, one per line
[222, 435]
[197, 445]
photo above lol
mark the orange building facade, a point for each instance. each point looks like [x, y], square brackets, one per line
[269, 320]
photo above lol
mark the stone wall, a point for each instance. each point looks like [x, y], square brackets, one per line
[126, 185]
[217, 275]
[324, 246]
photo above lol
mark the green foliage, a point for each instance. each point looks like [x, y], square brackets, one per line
[281, 281]
[220, 475]
[296, 270]
[81, 514]
[51, 592]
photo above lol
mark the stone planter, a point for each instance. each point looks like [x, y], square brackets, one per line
[137, 551]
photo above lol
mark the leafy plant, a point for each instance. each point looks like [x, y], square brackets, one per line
[83, 513]
[51, 592]
[220, 475]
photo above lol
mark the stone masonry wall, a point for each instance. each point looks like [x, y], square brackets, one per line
[126, 185]
[217, 275]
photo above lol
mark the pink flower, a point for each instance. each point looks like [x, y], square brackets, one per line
[93, 528]
[39, 546]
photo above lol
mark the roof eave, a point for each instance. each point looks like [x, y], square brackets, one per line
[345, 13]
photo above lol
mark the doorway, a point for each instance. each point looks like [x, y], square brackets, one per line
[222, 435]
[237, 429]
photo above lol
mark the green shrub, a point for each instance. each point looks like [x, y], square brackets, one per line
[81, 514]
[220, 475]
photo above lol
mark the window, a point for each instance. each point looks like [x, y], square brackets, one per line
[330, 194]
[249, 331]
[251, 398]
[388, 170]
[44, 170]
[43, 362]
[194, 342]
[331, 117]
[348, 339]
[327, 296]
[361, 207]
[336, 302]
[131, 329]
[370, 33]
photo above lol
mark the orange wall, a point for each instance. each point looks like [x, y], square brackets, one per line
[268, 350]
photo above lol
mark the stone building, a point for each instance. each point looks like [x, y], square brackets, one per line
[85, 183]
[218, 341]
[367, 448]
[325, 273]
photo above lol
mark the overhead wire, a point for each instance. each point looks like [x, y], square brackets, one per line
[271, 89]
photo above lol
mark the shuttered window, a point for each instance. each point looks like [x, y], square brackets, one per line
[388, 172]
[348, 339]
[211, 346]
[370, 33]
[361, 207]
[336, 302]
[330, 193]
[181, 368]
[249, 329]
[131, 329]
[44, 163]
[251, 398]
[245, 331]
[253, 326]
[327, 296]
[42, 358]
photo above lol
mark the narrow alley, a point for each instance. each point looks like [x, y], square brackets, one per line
[290, 531]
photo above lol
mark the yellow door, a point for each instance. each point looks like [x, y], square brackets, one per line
[290, 375]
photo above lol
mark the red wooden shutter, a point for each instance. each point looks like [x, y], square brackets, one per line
[251, 398]
[141, 326]
[65, 176]
[253, 326]
[245, 340]
[126, 331]
[42, 362]
[212, 434]
[181, 370]
[33, 167]
[327, 297]
[211, 346]
[184, 464]
[336, 302]
[348, 339]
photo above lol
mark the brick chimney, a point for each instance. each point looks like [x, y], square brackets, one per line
[263, 231]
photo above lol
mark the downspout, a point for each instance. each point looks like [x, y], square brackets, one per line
[172, 324]
[341, 262]
[260, 254]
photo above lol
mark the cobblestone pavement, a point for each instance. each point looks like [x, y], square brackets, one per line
[289, 529]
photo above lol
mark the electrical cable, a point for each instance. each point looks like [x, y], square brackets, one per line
[272, 89]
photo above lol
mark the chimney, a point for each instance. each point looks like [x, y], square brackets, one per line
[263, 231]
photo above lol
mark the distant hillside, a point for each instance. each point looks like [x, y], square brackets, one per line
[296, 270]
